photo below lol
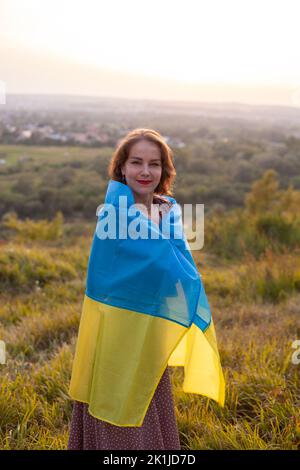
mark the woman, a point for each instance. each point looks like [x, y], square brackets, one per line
[143, 296]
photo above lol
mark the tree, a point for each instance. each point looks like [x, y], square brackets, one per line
[265, 195]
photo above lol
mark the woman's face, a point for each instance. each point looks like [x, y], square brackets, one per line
[143, 164]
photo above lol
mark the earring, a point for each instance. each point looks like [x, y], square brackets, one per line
[123, 179]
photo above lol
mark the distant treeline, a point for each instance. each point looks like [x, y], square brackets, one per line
[37, 182]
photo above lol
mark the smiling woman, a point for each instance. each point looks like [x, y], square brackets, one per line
[146, 170]
[144, 309]
[145, 163]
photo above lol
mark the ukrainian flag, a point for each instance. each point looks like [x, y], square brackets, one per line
[144, 308]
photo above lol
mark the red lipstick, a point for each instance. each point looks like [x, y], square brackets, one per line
[144, 181]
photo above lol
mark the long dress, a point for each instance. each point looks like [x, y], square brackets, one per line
[158, 432]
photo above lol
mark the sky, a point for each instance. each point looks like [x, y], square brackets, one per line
[214, 50]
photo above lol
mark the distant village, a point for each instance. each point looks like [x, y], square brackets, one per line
[43, 134]
[46, 134]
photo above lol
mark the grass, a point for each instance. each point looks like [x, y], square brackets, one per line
[255, 305]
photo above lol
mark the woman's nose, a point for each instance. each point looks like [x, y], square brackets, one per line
[145, 170]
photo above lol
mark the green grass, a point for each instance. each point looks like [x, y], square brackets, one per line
[255, 327]
[50, 154]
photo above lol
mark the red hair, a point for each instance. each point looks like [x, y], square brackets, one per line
[121, 154]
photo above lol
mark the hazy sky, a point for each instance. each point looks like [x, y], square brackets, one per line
[229, 50]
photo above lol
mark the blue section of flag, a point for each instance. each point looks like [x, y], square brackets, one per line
[156, 275]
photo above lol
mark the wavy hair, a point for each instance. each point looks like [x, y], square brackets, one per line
[121, 153]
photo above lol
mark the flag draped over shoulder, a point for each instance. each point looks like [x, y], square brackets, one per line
[144, 308]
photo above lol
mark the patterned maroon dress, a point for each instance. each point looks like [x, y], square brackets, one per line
[158, 432]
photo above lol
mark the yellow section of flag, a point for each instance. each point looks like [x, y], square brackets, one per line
[121, 355]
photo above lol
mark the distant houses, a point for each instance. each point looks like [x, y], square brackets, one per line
[44, 134]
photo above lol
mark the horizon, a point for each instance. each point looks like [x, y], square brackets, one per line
[192, 103]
